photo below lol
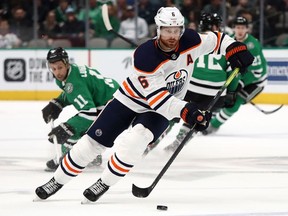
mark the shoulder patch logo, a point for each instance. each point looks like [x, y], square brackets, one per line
[68, 88]
[250, 45]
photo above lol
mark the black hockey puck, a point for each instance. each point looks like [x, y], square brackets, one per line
[162, 207]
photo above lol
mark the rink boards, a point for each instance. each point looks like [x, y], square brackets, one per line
[26, 77]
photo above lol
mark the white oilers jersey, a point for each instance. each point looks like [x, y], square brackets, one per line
[160, 79]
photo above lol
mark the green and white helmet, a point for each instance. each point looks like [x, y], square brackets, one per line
[169, 16]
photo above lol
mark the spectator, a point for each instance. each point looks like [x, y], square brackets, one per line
[121, 8]
[241, 5]
[282, 26]
[94, 8]
[21, 25]
[128, 27]
[7, 39]
[100, 29]
[5, 11]
[169, 3]
[215, 6]
[49, 29]
[73, 28]
[60, 11]
[50, 4]
[42, 9]
[190, 9]
[147, 11]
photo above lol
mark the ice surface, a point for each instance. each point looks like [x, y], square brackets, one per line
[240, 171]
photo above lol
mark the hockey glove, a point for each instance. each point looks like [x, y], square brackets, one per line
[52, 110]
[62, 132]
[238, 56]
[192, 115]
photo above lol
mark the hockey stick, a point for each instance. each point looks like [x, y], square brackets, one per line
[264, 111]
[109, 28]
[144, 192]
[58, 147]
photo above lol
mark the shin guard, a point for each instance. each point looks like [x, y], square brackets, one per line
[129, 150]
[77, 159]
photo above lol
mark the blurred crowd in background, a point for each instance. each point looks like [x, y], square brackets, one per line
[67, 22]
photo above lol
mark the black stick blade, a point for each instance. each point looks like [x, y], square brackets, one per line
[273, 111]
[265, 111]
[140, 192]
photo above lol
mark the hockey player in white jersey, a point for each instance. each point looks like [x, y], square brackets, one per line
[146, 101]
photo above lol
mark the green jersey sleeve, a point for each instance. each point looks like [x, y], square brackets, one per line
[88, 91]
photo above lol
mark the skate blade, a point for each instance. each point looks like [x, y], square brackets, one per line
[37, 199]
[49, 170]
[85, 201]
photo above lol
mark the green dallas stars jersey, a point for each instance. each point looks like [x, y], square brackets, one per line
[88, 91]
[256, 75]
[210, 74]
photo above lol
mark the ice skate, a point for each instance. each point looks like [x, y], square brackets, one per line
[150, 147]
[210, 130]
[97, 161]
[48, 189]
[95, 191]
[174, 145]
[51, 165]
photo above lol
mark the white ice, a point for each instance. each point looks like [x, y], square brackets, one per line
[240, 171]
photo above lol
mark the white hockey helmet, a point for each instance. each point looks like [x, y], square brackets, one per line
[169, 16]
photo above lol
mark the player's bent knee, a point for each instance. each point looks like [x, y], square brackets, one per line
[86, 150]
[134, 143]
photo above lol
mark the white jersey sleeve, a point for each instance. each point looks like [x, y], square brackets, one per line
[220, 41]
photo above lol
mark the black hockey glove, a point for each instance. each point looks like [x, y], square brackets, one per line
[52, 110]
[192, 115]
[62, 132]
[238, 56]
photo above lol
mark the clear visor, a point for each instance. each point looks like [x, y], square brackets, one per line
[171, 31]
[48, 66]
[65, 61]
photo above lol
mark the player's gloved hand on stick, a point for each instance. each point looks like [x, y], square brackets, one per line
[52, 110]
[62, 132]
[192, 115]
[238, 56]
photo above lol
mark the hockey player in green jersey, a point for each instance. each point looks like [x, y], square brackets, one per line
[251, 83]
[209, 75]
[84, 88]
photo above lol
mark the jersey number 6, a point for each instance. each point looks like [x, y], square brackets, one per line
[143, 81]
